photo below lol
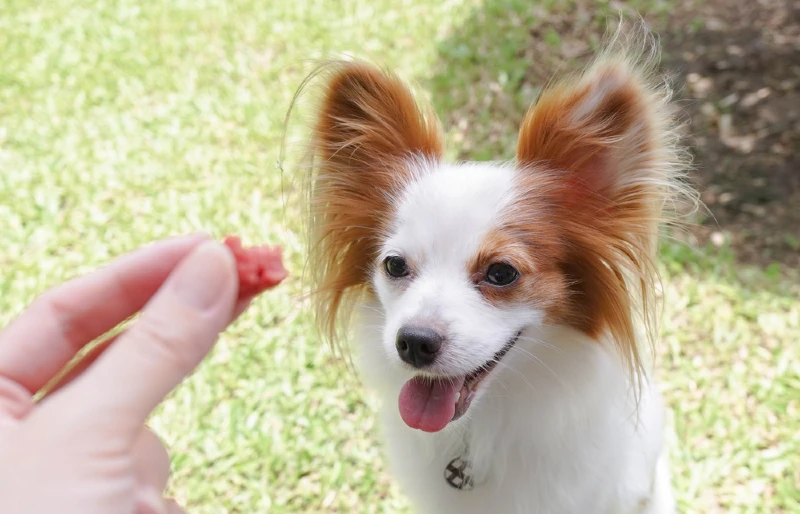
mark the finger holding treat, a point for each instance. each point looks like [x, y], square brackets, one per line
[85, 440]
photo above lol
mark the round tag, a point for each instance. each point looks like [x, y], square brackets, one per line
[458, 474]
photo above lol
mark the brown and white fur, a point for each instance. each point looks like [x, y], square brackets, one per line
[521, 291]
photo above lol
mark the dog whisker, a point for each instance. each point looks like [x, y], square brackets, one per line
[539, 361]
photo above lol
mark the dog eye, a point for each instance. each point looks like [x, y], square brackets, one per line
[396, 266]
[501, 274]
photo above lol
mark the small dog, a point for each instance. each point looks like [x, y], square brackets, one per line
[504, 311]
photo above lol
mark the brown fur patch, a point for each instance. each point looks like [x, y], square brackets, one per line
[368, 126]
[529, 243]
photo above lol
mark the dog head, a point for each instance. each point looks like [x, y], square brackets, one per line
[463, 257]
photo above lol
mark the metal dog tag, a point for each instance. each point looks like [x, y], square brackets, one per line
[458, 474]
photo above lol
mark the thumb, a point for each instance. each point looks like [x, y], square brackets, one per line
[175, 332]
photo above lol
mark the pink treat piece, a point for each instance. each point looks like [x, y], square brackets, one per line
[260, 268]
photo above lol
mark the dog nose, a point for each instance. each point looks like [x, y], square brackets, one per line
[418, 346]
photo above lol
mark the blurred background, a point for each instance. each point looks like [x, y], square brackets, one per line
[124, 121]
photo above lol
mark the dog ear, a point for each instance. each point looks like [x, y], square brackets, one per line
[604, 143]
[601, 131]
[368, 117]
[368, 133]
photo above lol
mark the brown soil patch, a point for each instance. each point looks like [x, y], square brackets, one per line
[740, 63]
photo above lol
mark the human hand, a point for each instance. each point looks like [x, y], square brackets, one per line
[84, 447]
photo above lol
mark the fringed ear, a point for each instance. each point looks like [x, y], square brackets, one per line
[605, 139]
[603, 131]
[369, 130]
[369, 116]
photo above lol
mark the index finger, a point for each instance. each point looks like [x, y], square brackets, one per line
[45, 337]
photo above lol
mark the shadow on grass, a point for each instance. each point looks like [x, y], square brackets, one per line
[741, 100]
[740, 63]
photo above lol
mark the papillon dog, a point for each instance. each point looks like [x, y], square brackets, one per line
[504, 312]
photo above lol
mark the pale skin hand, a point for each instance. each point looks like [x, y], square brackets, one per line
[84, 448]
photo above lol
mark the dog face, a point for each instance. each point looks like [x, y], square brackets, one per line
[453, 296]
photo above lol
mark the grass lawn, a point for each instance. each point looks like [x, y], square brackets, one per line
[125, 121]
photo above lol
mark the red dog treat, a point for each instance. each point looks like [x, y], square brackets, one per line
[260, 268]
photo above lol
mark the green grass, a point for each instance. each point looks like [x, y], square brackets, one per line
[125, 121]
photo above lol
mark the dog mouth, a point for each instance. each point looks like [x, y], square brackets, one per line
[430, 404]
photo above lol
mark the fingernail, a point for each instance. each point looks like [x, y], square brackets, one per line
[203, 277]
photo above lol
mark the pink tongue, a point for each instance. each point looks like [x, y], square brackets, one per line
[427, 404]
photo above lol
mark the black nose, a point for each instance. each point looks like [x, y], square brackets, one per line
[418, 346]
